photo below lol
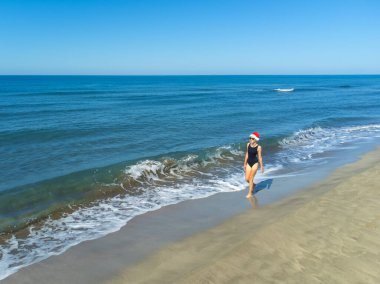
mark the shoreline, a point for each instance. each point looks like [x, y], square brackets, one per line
[327, 234]
[106, 259]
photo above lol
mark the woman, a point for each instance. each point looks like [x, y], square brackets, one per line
[252, 160]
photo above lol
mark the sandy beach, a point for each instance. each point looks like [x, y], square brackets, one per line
[329, 233]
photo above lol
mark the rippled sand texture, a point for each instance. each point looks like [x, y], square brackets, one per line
[328, 234]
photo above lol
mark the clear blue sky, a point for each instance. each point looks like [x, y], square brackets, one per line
[189, 37]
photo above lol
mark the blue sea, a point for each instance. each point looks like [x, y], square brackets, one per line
[82, 155]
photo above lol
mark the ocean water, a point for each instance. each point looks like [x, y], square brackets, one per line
[82, 155]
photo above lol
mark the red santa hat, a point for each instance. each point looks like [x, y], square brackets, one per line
[255, 135]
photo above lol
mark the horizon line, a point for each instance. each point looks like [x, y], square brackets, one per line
[167, 75]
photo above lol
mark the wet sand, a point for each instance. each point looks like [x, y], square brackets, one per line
[329, 233]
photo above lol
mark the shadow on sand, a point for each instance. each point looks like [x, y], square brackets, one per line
[265, 184]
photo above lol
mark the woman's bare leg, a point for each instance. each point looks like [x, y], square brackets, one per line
[251, 176]
[247, 173]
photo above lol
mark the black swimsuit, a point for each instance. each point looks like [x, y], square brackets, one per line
[252, 155]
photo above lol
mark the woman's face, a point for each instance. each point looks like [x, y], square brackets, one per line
[252, 140]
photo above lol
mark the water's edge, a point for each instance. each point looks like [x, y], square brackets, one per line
[148, 232]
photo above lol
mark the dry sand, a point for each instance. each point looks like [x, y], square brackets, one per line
[329, 233]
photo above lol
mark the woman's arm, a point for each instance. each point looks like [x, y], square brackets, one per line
[246, 157]
[260, 159]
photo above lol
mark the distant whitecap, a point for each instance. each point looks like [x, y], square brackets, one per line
[284, 90]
